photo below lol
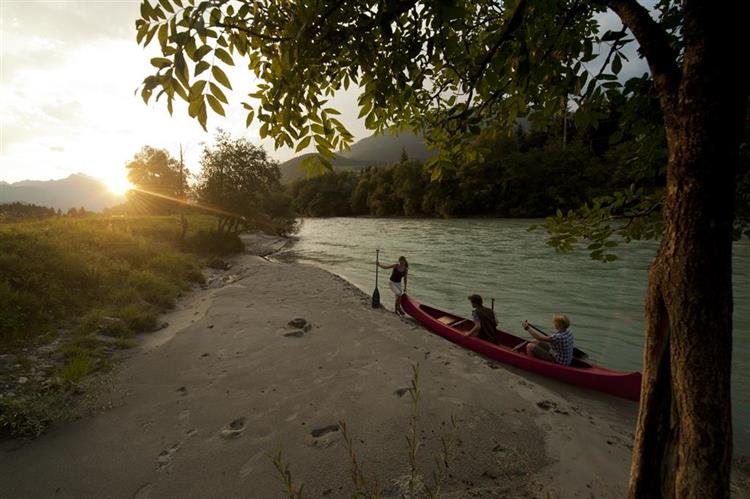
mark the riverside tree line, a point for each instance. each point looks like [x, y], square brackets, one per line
[528, 173]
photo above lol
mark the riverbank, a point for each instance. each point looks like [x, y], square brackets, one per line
[199, 406]
[229, 382]
[75, 292]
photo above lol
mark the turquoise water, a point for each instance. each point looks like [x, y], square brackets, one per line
[450, 259]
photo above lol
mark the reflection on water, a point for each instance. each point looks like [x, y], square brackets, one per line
[501, 259]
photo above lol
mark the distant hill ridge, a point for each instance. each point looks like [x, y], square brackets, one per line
[376, 150]
[71, 192]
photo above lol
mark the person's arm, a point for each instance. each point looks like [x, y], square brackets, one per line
[477, 325]
[473, 331]
[385, 266]
[531, 330]
[406, 276]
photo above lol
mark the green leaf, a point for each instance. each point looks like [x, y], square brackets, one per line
[181, 69]
[196, 90]
[215, 104]
[201, 52]
[201, 67]
[161, 62]
[224, 56]
[250, 116]
[163, 34]
[303, 144]
[167, 5]
[145, 10]
[216, 90]
[203, 116]
[617, 64]
[195, 106]
[221, 77]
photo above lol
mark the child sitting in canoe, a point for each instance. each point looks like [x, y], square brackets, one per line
[485, 322]
[555, 348]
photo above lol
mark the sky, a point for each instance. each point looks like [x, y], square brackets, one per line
[68, 75]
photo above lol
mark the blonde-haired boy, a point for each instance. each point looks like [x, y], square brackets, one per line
[557, 347]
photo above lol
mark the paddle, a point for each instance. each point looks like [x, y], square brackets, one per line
[376, 293]
[577, 353]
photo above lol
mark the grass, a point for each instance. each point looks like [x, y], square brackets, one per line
[133, 268]
[93, 282]
[77, 367]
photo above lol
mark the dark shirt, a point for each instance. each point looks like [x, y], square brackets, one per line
[488, 323]
[397, 275]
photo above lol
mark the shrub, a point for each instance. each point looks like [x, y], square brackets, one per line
[214, 243]
[110, 263]
[139, 318]
[77, 367]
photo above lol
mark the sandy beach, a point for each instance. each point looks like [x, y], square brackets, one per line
[197, 409]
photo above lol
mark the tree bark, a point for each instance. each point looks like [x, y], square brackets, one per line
[683, 445]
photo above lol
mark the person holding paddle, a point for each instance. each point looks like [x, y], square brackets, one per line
[555, 348]
[400, 272]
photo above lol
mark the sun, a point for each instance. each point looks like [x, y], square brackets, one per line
[118, 185]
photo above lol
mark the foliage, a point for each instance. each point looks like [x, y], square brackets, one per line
[76, 368]
[450, 66]
[325, 195]
[15, 212]
[26, 419]
[240, 184]
[127, 268]
[160, 182]
[521, 176]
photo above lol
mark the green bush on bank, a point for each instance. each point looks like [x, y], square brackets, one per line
[56, 271]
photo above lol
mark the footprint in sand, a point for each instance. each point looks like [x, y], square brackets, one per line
[401, 391]
[300, 323]
[165, 457]
[323, 437]
[144, 492]
[233, 429]
[295, 334]
[546, 405]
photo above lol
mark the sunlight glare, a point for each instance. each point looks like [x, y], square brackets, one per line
[118, 185]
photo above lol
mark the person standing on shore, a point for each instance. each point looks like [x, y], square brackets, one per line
[485, 321]
[400, 272]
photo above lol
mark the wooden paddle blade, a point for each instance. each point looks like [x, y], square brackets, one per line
[376, 298]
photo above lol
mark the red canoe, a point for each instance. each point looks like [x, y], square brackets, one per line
[511, 350]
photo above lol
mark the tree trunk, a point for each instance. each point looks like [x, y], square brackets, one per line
[683, 445]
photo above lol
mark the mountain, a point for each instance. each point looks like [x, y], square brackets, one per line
[375, 150]
[72, 192]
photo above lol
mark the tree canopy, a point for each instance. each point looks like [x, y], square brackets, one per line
[240, 183]
[450, 65]
[159, 180]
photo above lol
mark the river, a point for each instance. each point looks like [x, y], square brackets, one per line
[501, 259]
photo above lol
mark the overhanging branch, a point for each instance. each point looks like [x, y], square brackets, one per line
[654, 44]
